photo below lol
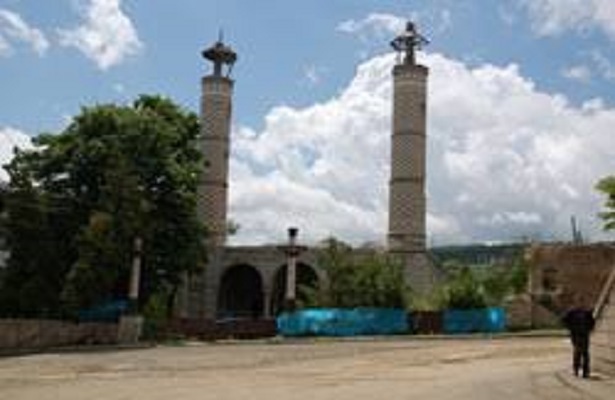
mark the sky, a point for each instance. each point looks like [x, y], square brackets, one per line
[521, 104]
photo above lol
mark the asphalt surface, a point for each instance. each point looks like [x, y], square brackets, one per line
[402, 368]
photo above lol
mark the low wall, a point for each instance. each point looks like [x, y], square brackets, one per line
[18, 334]
[523, 312]
[519, 313]
[205, 329]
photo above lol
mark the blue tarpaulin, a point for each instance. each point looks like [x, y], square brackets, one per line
[343, 322]
[476, 320]
[105, 312]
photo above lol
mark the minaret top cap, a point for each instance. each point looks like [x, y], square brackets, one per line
[220, 54]
[407, 42]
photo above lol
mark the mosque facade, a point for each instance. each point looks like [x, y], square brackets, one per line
[255, 281]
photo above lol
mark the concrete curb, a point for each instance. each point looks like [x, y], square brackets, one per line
[99, 348]
[281, 340]
[597, 387]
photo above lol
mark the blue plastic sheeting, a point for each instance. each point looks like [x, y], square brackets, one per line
[106, 312]
[476, 320]
[343, 322]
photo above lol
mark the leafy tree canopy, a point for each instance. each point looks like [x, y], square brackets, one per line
[477, 287]
[465, 291]
[75, 204]
[607, 187]
[366, 278]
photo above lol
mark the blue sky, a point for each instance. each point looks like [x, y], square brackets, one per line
[300, 60]
[279, 44]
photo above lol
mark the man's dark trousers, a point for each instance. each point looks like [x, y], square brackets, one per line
[580, 355]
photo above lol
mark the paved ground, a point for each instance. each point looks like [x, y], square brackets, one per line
[519, 368]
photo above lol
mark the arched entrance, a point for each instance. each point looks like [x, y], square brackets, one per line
[241, 293]
[307, 280]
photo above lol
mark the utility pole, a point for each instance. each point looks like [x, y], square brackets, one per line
[577, 237]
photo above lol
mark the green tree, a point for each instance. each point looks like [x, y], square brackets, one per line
[465, 291]
[37, 230]
[115, 173]
[518, 276]
[607, 187]
[496, 284]
[359, 279]
[480, 286]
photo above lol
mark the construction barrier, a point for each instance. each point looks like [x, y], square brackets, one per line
[110, 311]
[489, 320]
[343, 322]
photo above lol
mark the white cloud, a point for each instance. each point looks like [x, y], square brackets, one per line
[504, 160]
[507, 14]
[107, 35]
[10, 138]
[14, 28]
[5, 47]
[379, 28]
[386, 26]
[379, 24]
[551, 17]
[119, 88]
[581, 73]
[603, 65]
[313, 75]
[444, 21]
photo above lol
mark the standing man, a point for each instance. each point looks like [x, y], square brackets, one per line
[580, 322]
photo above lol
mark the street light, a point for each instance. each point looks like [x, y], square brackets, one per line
[131, 324]
[292, 251]
[135, 278]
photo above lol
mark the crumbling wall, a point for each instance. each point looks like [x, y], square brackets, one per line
[16, 334]
[560, 271]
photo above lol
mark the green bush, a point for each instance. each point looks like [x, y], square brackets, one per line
[155, 315]
[465, 291]
[368, 278]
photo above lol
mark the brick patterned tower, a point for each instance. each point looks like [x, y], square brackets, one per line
[406, 235]
[216, 104]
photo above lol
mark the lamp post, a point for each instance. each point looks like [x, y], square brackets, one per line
[131, 324]
[292, 251]
[135, 278]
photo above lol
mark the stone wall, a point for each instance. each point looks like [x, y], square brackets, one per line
[198, 298]
[524, 313]
[18, 334]
[560, 271]
[519, 313]
[603, 340]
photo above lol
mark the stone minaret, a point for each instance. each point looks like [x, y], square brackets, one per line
[216, 102]
[407, 186]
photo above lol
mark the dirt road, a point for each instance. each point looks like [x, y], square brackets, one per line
[519, 368]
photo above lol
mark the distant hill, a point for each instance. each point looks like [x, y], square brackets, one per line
[478, 254]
